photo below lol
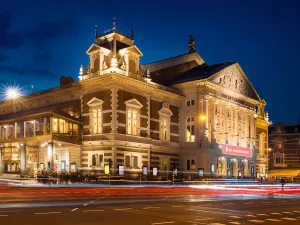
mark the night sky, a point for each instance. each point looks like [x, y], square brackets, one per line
[39, 41]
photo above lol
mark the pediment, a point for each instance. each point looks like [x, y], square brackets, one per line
[95, 102]
[234, 78]
[93, 48]
[133, 49]
[134, 103]
[165, 110]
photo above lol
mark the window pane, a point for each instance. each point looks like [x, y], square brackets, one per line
[135, 162]
[127, 161]
[134, 127]
[188, 165]
[93, 160]
[95, 126]
[101, 160]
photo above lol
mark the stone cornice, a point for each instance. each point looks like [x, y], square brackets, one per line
[114, 77]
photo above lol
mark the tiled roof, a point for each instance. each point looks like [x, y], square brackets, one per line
[199, 72]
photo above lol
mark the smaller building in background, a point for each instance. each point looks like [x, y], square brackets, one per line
[284, 147]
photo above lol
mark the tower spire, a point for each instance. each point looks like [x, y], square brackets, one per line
[132, 33]
[96, 31]
[114, 23]
[192, 44]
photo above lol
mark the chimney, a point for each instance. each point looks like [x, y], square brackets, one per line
[66, 80]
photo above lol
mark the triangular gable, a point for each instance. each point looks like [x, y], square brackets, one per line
[92, 48]
[134, 103]
[133, 49]
[165, 110]
[95, 102]
[234, 78]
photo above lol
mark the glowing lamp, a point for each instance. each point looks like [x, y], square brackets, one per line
[114, 62]
[12, 93]
[202, 117]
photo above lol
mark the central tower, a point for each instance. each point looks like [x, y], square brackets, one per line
[113, 51]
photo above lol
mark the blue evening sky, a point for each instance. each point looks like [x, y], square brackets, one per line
[43, 40]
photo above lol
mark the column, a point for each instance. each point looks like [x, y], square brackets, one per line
[226, 123]
[101, 58]
[214, 121]
[201, 126]
[236, 125]
[1, 160]
[23, 158]
[114, 103]
[16, 130]
[205, 106]
[50, 156]
[148, 113]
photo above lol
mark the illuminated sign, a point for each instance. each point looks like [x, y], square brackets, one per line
[145, 170]
[236, 150]
[232, 98]
[154, 171]
[200, 172]
[121, 170]
[106, 169]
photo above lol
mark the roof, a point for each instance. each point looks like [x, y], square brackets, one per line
[199, 72]
[145, 65]
[52, 109]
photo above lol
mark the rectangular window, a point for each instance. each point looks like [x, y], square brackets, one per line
[127, 161]
[94, 160]
[188, 164]
[193, 102]
[163, 129]
[135, 162]
[101, 160]
[188, 103]
[97, 121]
[132, 122]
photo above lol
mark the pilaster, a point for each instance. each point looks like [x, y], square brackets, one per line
[114, 105]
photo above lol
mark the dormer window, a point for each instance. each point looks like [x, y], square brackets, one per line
[96, 115]
[133, 107]
[190, 102]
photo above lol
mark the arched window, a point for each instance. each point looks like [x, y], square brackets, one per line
[96, 65]
[132, 66]
[190, 129]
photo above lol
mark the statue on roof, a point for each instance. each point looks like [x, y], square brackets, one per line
[192, 44]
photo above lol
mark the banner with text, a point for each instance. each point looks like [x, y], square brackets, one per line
[236, 150]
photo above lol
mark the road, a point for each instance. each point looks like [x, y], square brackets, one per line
[148, 205]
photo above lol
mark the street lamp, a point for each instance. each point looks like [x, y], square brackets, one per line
[202, 117]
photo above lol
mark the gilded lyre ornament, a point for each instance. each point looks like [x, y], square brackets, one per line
[192, 44]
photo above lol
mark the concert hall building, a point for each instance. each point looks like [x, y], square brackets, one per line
[176, 113]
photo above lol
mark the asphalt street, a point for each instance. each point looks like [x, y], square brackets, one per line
[145, 206]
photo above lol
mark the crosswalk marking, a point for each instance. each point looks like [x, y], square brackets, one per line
[261, 214]
[289, 219]
[296, 211]
[234, 222]
[217, 224]
[250, 215]
[287, 213]
[256, 221]
[275, 213]
[273, 220]
[236, 217]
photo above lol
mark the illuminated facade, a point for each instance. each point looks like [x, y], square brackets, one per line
[284, 143]
[177, 113]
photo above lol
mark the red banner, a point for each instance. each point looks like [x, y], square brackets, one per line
[236, 150]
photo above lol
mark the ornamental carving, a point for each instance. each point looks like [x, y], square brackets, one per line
[235, 81]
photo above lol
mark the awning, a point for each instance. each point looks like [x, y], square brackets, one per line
[285, 172]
